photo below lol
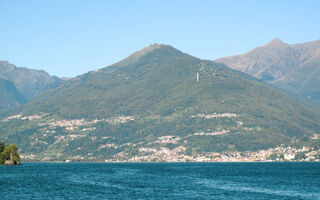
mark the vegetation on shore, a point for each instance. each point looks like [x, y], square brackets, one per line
[9, 154]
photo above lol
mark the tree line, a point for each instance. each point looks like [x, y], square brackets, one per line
[9, 154]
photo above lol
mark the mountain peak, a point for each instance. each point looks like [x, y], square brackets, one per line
[275, 41]
[148, 49]
[161, 49]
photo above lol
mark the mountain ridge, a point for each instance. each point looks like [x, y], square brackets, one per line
[29, 82]
[165, 100]
[294, 68]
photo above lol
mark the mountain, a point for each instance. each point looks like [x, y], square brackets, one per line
[293, 68]
[30, 83]
[158, 102]
[9, 96]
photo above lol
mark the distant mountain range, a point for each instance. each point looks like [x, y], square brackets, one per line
[159, 99]
[9, 95]
[293, 68]
[28, 82]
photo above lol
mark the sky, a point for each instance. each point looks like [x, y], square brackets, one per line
[67, 38]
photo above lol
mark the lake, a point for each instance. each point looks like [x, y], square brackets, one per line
[160, 181]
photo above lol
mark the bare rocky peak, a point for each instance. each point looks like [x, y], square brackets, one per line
[259, 61]
[275, 41]
[309, 50]
[307, 45]
[268, 54]
[274, 47]
[295, 68]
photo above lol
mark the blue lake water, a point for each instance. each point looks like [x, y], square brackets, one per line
[161, 181]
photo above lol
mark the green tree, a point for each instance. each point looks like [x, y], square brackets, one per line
[2, 146]
[11, 153]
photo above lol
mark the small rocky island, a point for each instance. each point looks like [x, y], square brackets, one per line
[9, 155]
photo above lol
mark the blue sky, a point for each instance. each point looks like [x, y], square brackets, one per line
[68, 38]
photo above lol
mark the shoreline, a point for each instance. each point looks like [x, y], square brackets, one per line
[128, 162]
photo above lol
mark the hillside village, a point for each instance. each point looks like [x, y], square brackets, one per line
[282, 153]
[177, 154]
[157, 151]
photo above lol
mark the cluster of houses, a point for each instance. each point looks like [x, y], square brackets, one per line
[177, 154]
[214, 115]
